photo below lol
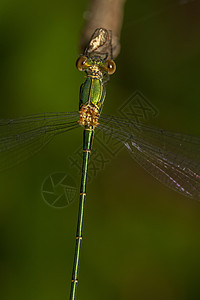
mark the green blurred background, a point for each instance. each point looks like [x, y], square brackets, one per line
[141, 240]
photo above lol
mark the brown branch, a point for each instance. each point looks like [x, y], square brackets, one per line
[106, 14]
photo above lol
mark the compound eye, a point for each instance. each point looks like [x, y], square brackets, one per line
[111, 66]
[81, 62]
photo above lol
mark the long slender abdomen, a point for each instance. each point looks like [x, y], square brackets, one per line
[87, 146]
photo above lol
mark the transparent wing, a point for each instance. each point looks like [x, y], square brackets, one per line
[23, 137]
[172, 158]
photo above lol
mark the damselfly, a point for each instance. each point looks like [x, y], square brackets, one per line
[172, 158]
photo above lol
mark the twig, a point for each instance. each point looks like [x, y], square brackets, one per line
[107, 14]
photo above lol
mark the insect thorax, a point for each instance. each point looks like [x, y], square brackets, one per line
[89, 116]
[92, 95]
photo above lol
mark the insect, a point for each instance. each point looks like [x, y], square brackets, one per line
[172, 158]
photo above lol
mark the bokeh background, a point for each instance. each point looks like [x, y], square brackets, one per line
[141, 240]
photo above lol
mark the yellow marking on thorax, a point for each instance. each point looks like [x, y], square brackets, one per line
[88, 116]
[95, 72]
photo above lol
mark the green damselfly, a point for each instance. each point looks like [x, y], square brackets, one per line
[172, 158]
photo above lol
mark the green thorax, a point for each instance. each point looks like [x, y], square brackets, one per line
[92, 93]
